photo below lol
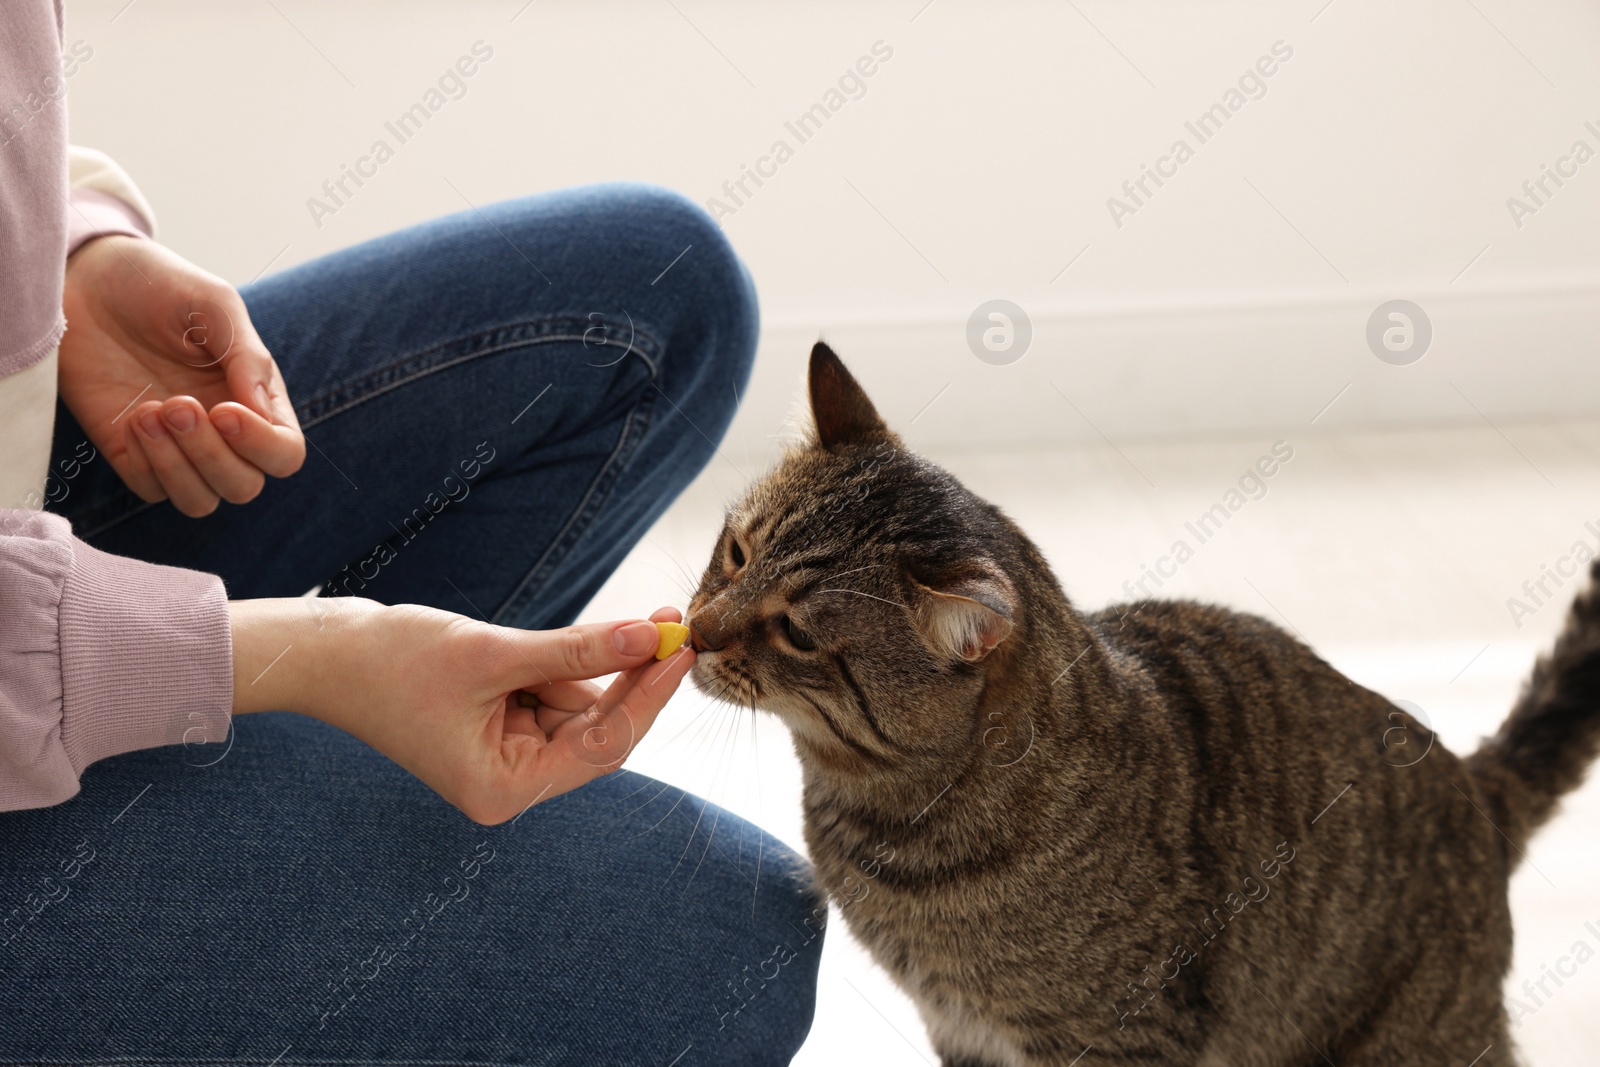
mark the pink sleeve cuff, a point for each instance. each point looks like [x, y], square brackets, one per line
[103, 655]
[146, 657]
[96, 214]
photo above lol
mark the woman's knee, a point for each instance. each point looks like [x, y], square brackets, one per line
[711, 347]
[659, 257]
[715, 297]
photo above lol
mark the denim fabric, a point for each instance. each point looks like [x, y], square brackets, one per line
[498, 405]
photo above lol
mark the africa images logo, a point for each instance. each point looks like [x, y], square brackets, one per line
[1399, 332]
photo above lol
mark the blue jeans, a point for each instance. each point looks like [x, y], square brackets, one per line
[499, 404]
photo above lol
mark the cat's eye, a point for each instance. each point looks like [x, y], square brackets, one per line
[735, 553]
[798, 637]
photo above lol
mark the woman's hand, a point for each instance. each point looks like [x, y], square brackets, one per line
[437, 693]
[163, 369]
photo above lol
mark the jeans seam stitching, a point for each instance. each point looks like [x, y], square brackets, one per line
[347, 394]
[595, 496]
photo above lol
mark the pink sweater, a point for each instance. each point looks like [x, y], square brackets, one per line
[98, 654]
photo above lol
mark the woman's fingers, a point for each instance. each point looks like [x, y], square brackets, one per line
[548, 720]
[228, 475]
[597, 741]
[259, 423]
[184, 486]
[576, 653]
[135, 466]
[571, 697]
[276, 450]
[576, 733]
[271, 439]
[583, 745]
[556, 703]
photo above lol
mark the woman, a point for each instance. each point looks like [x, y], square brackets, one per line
[498, 405]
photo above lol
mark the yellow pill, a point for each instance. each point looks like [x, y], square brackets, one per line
[673, 635]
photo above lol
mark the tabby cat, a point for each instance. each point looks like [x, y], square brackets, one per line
[1161, 833]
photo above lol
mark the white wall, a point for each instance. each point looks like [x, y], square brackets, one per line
[977, 165]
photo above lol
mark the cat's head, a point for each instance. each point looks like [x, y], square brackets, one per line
[859, 592]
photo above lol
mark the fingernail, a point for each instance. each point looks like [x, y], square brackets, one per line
[263, 404]
[180, 418]
[150, 423]
[228, 422]
[636, 638]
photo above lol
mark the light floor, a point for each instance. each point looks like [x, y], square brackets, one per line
[1392, 553]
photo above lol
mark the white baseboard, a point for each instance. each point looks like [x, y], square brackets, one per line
[1202, 366]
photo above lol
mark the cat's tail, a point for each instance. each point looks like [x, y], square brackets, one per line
[1547, 742]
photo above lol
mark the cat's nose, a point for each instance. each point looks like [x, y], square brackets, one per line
[698, 641]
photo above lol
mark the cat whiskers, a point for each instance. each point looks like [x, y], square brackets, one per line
[731, 681]
[857, 592]
[729, 750]
[705, 727]
[853, 570]
[761, 835]
[692, 587]
[712, 721]
[715, 701]
[729, 746]
[735, 681]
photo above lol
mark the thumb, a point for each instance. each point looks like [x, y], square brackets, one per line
[266, 432]
[254, 381]
[577, 653]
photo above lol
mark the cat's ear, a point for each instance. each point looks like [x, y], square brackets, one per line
[965, 619]
[839, 406]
